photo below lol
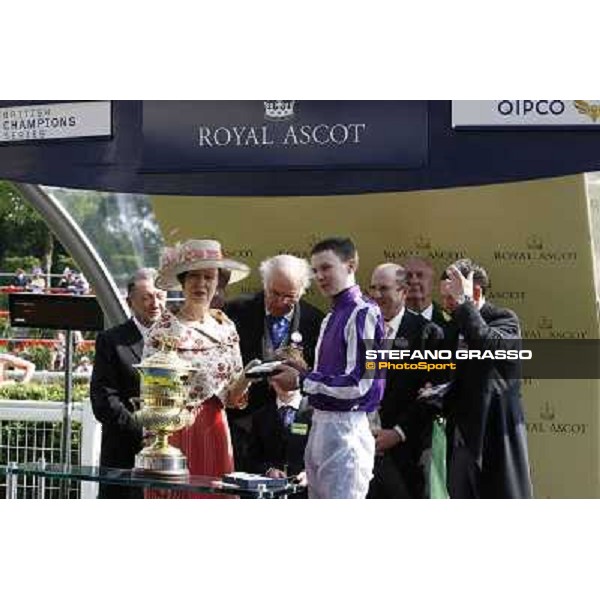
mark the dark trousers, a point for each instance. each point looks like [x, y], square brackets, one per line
[402, 472]
[387, 480]
[464, 474]
[120, 492]
[240, 430]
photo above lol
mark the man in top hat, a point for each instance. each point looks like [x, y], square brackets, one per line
[267, 322]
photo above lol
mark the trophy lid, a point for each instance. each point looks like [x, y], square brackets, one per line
[166, 362]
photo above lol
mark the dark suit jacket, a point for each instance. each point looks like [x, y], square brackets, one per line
[400, 406]
[486, 427]
[114, 382]
[401, 387]
[437, 316]
[248, 314]
[273, 445]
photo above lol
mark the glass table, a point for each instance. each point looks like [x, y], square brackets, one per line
[128, 477]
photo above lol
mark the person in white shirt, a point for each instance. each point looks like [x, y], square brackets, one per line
[84, 366]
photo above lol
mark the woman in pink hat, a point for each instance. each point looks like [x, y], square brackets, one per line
[209, 341]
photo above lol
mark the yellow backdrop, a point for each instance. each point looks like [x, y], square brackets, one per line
[533, 237]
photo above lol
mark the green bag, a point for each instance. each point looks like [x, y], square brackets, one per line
[437, 471]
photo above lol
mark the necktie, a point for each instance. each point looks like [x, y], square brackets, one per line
[388, 330]
[437, 472]
[388, 335]
[287, 414]
[278, 329]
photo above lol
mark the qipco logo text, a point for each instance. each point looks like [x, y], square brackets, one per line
[523, 108]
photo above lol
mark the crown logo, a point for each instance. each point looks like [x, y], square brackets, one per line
[545, 323]
[422, 242]
[279, 110]
[547, 413]
[585, 108]
[534, 242]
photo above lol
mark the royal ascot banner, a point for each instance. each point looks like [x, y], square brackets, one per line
[533, 237]
[263, 135]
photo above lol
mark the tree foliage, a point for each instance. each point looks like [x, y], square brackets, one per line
[121, 227]
[23, 232]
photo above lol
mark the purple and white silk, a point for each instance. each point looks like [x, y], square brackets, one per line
[337, 382]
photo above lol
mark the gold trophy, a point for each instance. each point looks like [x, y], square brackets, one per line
[164, 395]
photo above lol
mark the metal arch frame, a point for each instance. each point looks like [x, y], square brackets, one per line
[72, 237]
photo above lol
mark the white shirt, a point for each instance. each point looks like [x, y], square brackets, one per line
[427, 313]
[391, 331]
[142, 328]
[294, 402]
[392, 326]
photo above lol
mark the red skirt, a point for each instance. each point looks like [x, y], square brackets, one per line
[207, 446]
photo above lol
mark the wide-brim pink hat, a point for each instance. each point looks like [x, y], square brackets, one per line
[192, 255]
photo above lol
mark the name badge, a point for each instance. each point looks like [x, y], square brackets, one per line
[299, 429]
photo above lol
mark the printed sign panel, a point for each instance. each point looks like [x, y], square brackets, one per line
[208, 135]
[526, 113]
[63, 120]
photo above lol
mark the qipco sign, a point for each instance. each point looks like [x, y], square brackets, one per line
[476, 114]
[526, 107]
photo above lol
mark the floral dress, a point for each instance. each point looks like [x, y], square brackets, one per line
[213, 349]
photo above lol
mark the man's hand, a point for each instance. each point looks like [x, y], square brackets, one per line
[425, 391]
[300, 366]
[293, 357]
[386, 439]
[301, 479]
[275, 473]
[457, 285]
[433, 396]
[286, 379]
[253, 363]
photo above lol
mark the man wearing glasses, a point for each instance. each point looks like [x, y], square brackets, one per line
[267, 322]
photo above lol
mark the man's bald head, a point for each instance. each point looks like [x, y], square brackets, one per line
[388, 289]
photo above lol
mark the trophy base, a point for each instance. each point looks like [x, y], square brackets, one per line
[161, 465]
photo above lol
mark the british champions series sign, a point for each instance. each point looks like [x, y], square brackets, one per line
[254, 134]
[57, 121]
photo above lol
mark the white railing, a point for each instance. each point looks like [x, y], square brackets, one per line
[39, 419]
